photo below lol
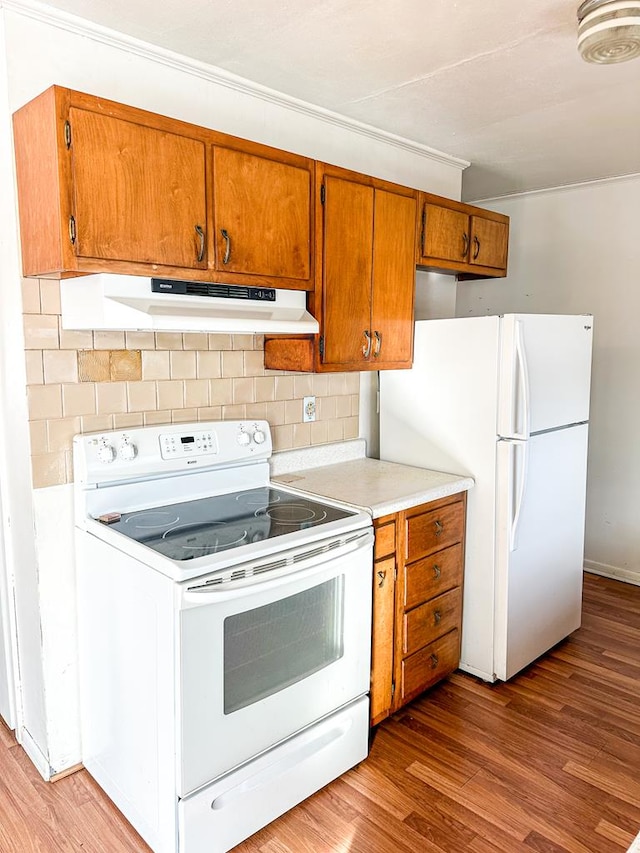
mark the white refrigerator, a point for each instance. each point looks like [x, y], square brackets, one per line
[505, 400]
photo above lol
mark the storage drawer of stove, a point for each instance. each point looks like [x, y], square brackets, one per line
[221, 815]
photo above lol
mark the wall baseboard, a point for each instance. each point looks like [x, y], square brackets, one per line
[64, 773]
[613, 572]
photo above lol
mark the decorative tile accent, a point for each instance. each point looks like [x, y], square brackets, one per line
[93, 365]
[125, 365]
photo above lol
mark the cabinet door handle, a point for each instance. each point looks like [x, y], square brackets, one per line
[436, 571]
[434, 661]
[465, 244]
[437, 617]
[476, 248]
[378, 338]
[200, 233]
[439, 527]
[227, 245]
[382, 575]
[366, 346]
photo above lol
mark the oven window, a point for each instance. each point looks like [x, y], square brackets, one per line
[274, 646]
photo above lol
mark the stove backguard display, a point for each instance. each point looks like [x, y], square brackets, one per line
[185, 531]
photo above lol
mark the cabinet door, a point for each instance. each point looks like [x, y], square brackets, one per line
[393, 278]
[138, 192]
[347, 270]
[489, 241]
[382, 639]
[262, 214]
[445, 233]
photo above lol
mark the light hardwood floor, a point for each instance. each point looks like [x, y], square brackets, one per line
[549, 762]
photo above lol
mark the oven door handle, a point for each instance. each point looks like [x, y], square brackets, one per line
[285, 567]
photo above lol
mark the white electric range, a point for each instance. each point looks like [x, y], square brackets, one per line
[224, 632]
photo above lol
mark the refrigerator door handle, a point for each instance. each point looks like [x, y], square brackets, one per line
[521, 357]
[522, 482]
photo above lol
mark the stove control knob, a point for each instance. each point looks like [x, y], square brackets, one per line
[259, 437]
[106, 452]
[127, 449]
[244, 439]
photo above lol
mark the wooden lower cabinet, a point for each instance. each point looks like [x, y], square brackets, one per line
[417, 601]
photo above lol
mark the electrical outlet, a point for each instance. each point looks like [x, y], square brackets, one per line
[309, 409]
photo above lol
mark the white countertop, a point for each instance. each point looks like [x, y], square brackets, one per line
[380, 487]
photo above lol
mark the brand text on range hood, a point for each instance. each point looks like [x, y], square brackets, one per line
[125, 302]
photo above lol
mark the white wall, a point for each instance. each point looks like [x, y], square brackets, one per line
[45, 47]
[577, 250]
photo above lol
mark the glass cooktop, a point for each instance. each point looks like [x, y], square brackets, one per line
[185, 531]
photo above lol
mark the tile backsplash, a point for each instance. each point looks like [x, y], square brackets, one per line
[91, 381]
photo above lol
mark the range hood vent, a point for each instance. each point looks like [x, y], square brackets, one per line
[136, 303]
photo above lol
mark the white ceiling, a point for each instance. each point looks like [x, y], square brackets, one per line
[499, 83]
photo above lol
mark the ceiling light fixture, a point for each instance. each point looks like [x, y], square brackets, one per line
[609, 30]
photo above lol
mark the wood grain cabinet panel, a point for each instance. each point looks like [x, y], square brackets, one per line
[455, 237]
[428, 666]
[262, 215]
[434, 530]
[149, 203]
[416, 626]
[365, 276]
[430, 620]
[381, 648]
[432, 576]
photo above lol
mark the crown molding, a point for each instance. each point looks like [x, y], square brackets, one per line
[80, 26]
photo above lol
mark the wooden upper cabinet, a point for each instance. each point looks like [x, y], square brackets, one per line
[394, 274]
[446, 233]
[489, 242]
[103, 187]
[262, 215]
[149, 204]
[365, 278]
[347, 271]
[459, 238]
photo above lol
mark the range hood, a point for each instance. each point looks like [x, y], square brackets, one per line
[136, 303]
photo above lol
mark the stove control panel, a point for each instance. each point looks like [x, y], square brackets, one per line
[178, 445]
[153, 451]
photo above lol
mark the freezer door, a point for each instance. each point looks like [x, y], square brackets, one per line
[540, 544]
[545, 369]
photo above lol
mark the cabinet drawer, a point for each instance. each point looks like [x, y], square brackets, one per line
[426, 623]
[434, 530]
[385, 540]
[429, 665]
[432, 576]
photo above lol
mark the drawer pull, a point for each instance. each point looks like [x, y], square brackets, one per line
[436, 571]
[439, 527]
[437, 617]
[434, 661]
[382, 575]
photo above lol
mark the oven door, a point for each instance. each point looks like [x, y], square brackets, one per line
[267, 655]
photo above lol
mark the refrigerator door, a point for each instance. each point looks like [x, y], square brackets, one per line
[539, 545]
[545, 368]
